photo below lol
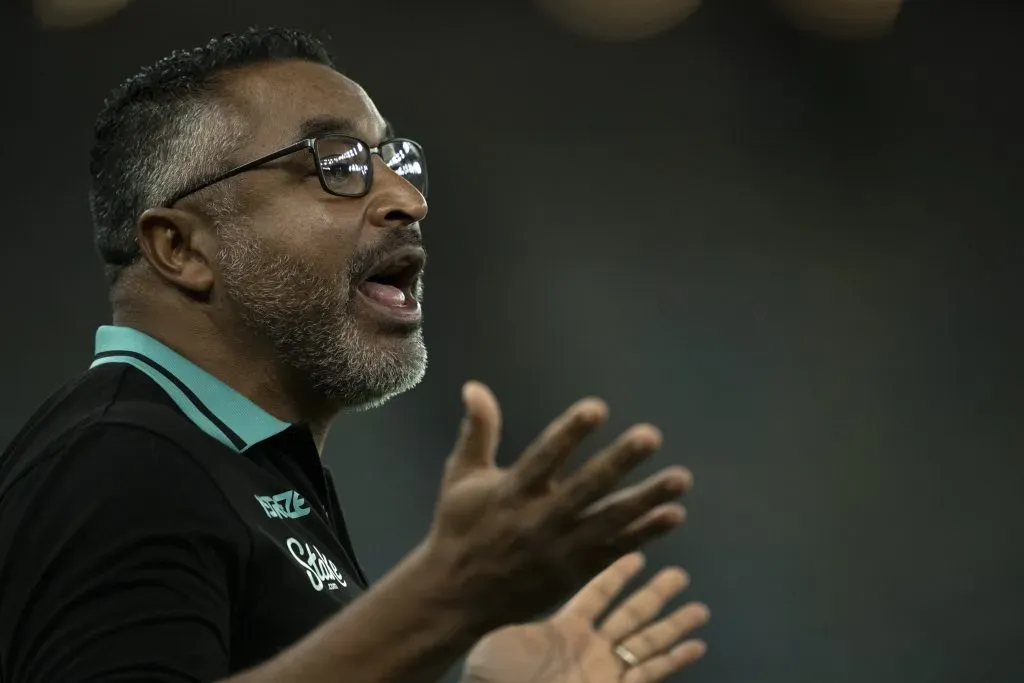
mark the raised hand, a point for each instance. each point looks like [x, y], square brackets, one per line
[574, 647]
[516, 540]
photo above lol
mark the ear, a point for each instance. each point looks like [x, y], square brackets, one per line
[180, 246]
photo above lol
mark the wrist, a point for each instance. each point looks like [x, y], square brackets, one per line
[430, 577]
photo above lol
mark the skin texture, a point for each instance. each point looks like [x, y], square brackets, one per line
[265, 298]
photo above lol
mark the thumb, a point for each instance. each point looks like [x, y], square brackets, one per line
[479, 433]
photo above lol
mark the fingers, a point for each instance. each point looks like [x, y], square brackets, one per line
[480, 431]
[657, 647]
[546, 455]
[662, 666]
[654, 523]
[643, 605]
[660, 636]
[600, 474]
[625, 520]
[593, 599]
[622, 507]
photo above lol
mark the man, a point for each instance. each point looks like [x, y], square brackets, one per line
[165, 517]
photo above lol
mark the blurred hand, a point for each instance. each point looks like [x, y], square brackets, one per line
[571, 648]
[515, 541]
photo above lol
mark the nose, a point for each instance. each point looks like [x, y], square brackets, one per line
[394, 202]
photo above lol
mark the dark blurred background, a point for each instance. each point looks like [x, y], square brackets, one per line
[790, 239]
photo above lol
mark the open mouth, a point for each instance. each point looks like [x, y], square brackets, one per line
[392, 282]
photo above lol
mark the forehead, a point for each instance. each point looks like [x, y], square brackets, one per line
[278, 99]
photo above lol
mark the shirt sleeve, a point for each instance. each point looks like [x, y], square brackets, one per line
[118, 561]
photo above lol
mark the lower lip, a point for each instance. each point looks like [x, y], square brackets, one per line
[409, 313]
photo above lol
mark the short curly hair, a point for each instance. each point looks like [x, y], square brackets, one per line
[165, 129]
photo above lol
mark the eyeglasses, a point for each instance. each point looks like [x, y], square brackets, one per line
[344, 164]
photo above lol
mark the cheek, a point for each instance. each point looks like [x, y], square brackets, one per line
[324, 239]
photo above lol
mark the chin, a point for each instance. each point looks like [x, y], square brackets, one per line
[386, 370]
[400, 385]
[369, 404]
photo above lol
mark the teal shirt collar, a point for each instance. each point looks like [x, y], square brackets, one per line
[213, 406]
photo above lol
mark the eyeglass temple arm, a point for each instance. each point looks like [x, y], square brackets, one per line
[290, 149]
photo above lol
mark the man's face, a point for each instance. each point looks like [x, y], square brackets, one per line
[294, 266]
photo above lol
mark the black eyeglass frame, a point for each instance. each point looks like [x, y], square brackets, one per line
[311, 145]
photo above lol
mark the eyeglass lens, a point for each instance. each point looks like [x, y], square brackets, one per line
[345, 163]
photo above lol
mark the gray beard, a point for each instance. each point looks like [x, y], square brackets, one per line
[310, 323]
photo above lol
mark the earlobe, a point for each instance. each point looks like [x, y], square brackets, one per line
[173, 241]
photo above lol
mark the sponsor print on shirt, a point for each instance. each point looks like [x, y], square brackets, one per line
[322, 572]
[286, 505]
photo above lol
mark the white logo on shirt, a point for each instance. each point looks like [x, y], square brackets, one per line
[320, 570]
[286, 505]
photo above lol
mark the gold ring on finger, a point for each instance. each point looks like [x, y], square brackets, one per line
[626, 655]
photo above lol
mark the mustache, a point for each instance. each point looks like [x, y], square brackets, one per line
[393, 239]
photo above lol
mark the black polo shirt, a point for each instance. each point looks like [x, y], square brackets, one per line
[156, 525]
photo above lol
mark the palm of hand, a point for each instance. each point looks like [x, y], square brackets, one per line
[564, 651]
[570, 647]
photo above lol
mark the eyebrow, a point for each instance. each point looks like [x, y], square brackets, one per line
[326, 125]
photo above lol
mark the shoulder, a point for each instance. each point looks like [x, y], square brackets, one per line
[121, 453]
[108, 474]
[105, 452]
[111, 420]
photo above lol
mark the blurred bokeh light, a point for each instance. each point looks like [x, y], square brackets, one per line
[65, 14]
[846, 19]
[608, 20]
[618, 20]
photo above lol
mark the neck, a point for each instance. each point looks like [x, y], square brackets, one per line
[245, 364]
